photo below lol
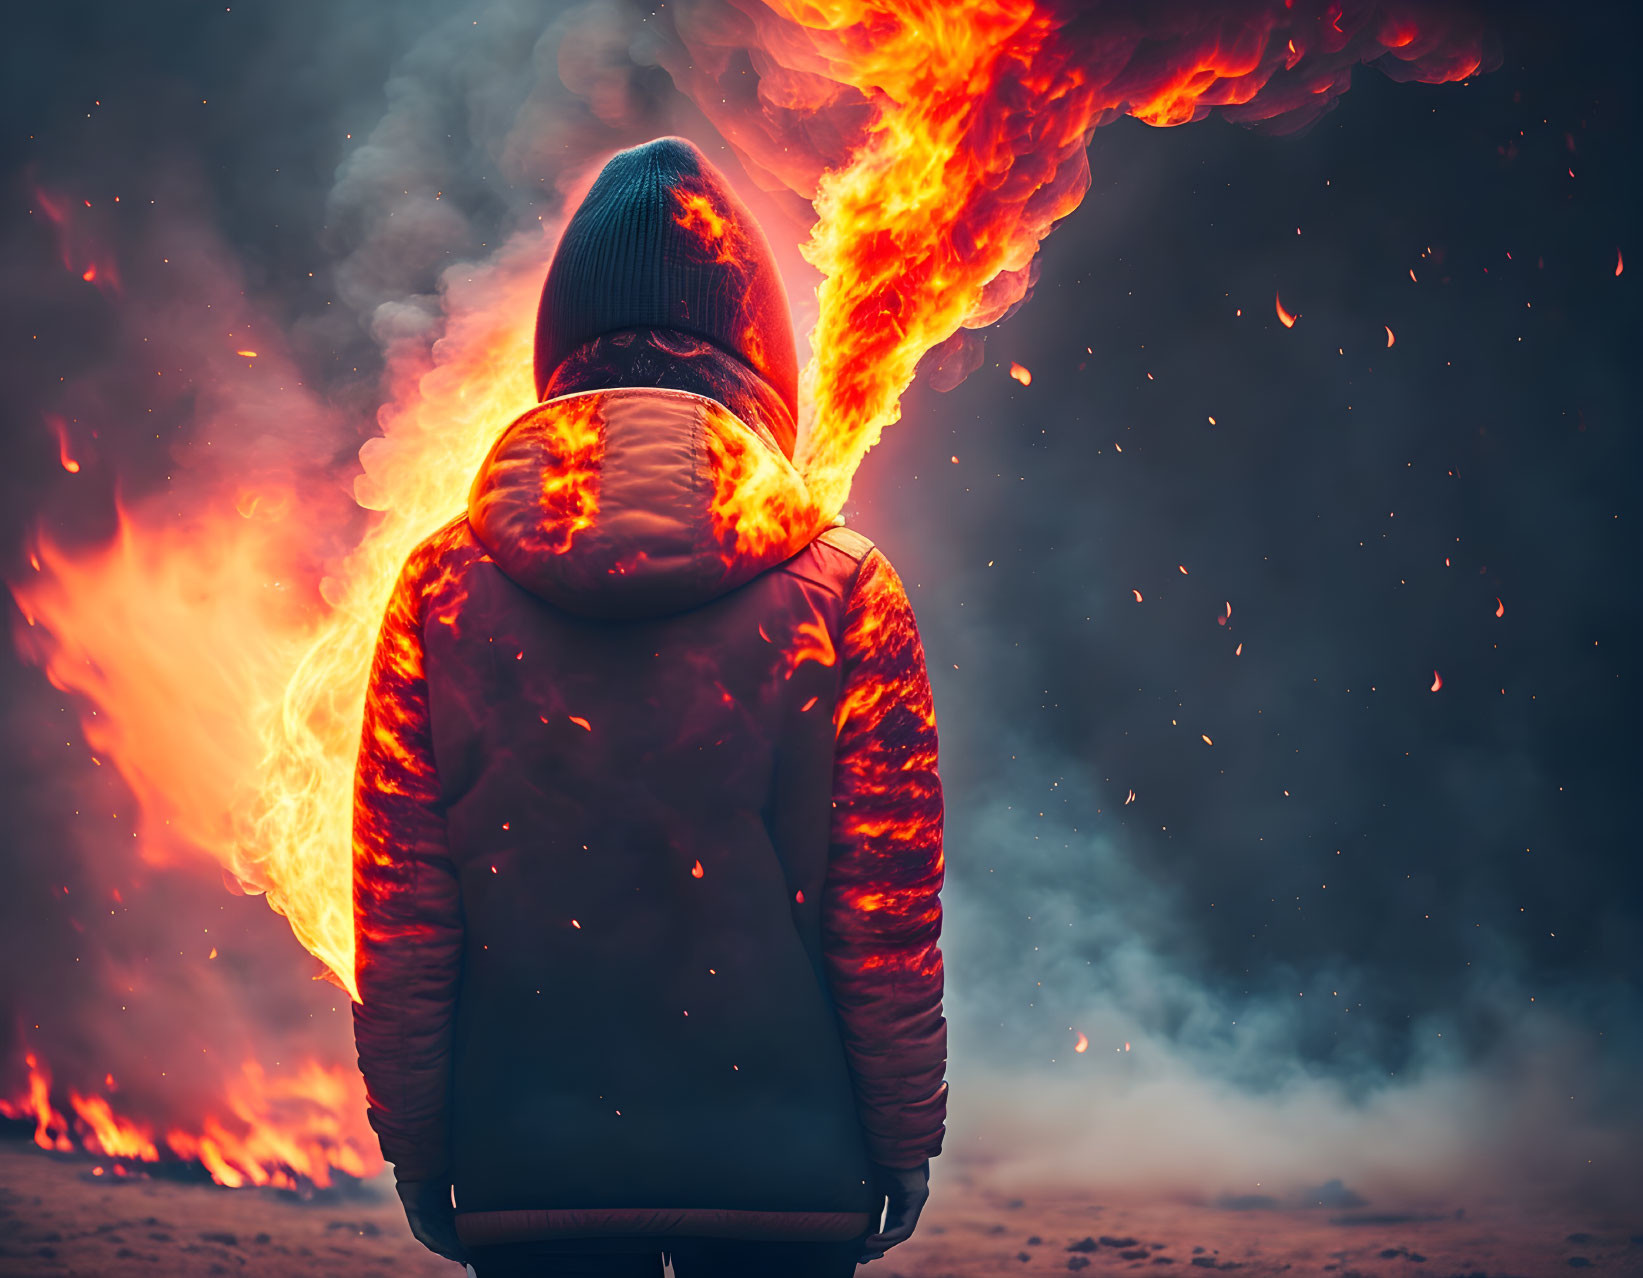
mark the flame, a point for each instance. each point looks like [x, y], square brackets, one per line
[309, 1126]
[1437, 681]
[711, 228]
[287, 1131]
[233, 710]
[1284, 317]
[114, 1136]
[1021, 374]
[811, 641]
[50, 1127]
[968, 125]
[758, 499]
[221, 652]
[1500, 608]
[60, 428]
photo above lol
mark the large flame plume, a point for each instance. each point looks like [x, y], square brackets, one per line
[221, 655]
[965, 128]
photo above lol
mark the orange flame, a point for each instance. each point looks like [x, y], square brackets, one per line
[758, 498]
[60, 428]
[969, 125]
[710, 227]
[50, 1127]
[233, 711]
[285, 1132]
[113, 1135]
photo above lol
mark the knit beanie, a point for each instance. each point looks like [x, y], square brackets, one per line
[661, 241]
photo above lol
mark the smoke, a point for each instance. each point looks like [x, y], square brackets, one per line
[440, 206]
[1194, 1088]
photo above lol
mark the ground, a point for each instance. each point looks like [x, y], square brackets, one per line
[59, 1218]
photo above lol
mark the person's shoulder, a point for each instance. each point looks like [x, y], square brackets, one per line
[437, 552]
[832, 560]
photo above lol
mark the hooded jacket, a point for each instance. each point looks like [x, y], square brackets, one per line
[647, 841]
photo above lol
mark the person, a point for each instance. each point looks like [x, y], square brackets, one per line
[647, 821]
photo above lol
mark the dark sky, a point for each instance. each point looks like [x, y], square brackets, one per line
[1361, 879]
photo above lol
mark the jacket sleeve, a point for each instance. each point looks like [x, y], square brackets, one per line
[881, 910]
[407, 903]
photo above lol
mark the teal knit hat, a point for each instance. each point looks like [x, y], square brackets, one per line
[661, 241]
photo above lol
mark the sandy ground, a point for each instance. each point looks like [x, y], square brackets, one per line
[57, 1217]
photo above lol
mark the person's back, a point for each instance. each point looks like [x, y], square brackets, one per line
[648, 823]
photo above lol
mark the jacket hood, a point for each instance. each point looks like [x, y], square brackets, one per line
[637, 502]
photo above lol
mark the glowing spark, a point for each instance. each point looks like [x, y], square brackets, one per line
[1021, 374]
[1238, 651]
[89, 274]
[1083, 1043]
[1390, 338]
[1205, 736]
[1437, 681]
[247, 354]
[1130, 799]
[696, 870]
[1137, 594]
[1500, 608]
[1284, 317]
[60, 429]
[582, 723]
[1619, 261]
